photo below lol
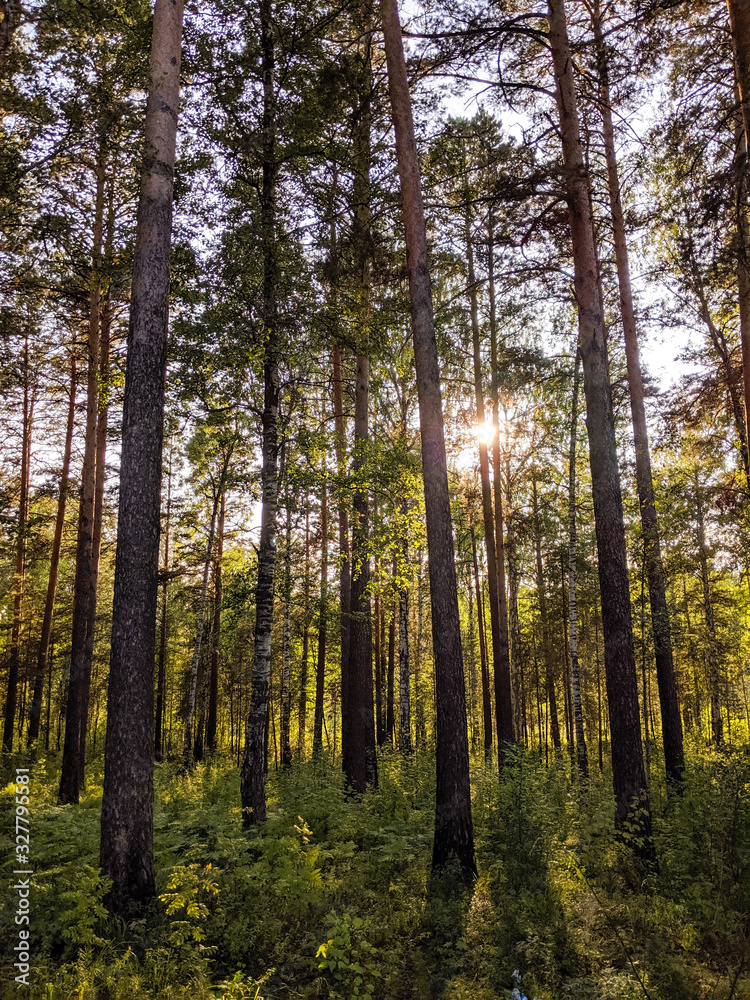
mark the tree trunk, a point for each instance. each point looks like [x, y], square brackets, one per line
[302, 715]
[575, 669]
[253, 777]
[739, 16]
[713, 652]
[127, 802]
[503, 686]
[670, 710]
[19, 576]
[499, 627]
[514, 627]
[391, 675]
[84, 594]
[454, 837]
[54, 565]
[320, 673]
[162, 666]
[629, 779]
[486, 697]
[549, 666]
[360, 759]
[345, 582]
[285, 707]
[213, 683]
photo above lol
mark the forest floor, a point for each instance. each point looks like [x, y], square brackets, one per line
[331, 897]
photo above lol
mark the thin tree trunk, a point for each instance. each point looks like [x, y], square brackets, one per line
[187, 735]
[629, 779]
[486, 697]
[739, 17]
[322, 622]
[84, 595]
[358, 724]
[19, 575]
[285, 706]
[499, 627]
[127, 803]
[713, 652]
[454, 837]
[162, 665]
[549, 666]
[575, 669]
[253, 776]
[506, 731]
[302, 715]
[514, 627]
[213, 683]
[391, 674]
[54, 565]
[670, 710]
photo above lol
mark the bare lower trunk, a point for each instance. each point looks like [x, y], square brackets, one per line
[84, 594]
[127, 802]
[454, 837]
[322, 624]
[19, 575]
[253, 776]
[285, 709]
[161, 676]
[628, 774]
[391, 676]
[404, 679]
[302, 714]
[486, 698]
[575, 670]
[717, 730]
[549, 664]
[213, 682]
[54, 565]
[670, 709]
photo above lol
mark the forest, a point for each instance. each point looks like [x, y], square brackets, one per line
[375, 499]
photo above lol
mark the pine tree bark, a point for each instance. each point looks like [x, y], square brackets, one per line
[670, 710]
[302, 713]
[391, 676]
[127, 803]
[320, 674]
[486, 697]
[360, 758]
[498, 624]
[454, 837]
[582, 756]
[628, 774]
[285, 708]
[345, 582]
[161, 676]
[503, 685]
[19, 574]
[54, 565]
[717, 730]
[84, 594]
[212, 713]
[739, 17]
[549, 667]
[253, 776]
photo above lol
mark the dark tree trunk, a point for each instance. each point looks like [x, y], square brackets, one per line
[253, 777]
[549, 665]
[84, 594]
[320, 674]
[360, 758]
[500, 652]
[285, 704]
[302, 714]
[670, 709]
[19, 575]
[503, 686]
[575, 669]
[213, 681]
[405, 745]
[345, 580]
[127, 802]
[161, 674]
[486, 698]
[717, 730]
[54, 565]
[454, 837]
[629, 778]
[391, 675]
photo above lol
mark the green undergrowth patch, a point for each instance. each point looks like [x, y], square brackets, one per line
[331, 896]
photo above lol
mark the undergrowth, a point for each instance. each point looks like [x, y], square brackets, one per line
[331, 897]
